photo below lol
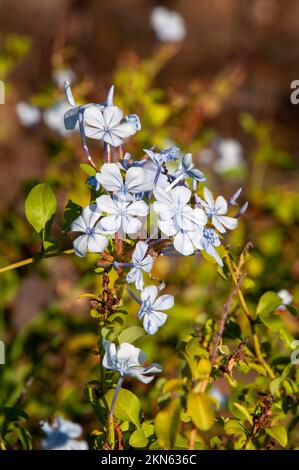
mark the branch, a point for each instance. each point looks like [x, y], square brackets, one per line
[35, 259]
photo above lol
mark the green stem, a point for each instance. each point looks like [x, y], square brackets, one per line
[258, 352]
[111, 436]
[27, 261]
[254, 335]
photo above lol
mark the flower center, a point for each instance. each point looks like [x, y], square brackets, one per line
[210, 235]
[90, 231]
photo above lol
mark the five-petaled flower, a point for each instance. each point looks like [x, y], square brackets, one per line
[187, 169]
[127, 360]
[178, 219]
[208, 242]
[122, 214]
[140, 262]
[62, 435]
[107, 125]
[136, 180]
[93, 237]
[150, 309]
[216, 211]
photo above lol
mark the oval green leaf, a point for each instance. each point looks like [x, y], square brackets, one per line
[40, 206]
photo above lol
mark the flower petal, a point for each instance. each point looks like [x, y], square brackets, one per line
[149, 293]
[209, 197]
[94, 117]
[112, 116]
[111, 138]
[124, 130]
[90, 215]
[138, 208]
[78, 225]
[111, 223]
[130, 225]
[200, 217]
[131, 276]
[152, 321]
[71, 429]
[164, 302]
[221, 205]
[105, 203]
[180, 196]
[183, 244]
[97, 243]
[138, 373]
[130, 353]
[153, 369]
[216, 221]
[212, 252]
[147, 263]
[94, 133]
[135, 177]
[167, 227]
[139, 252]
[80, 245]
[229, 222]
[110, 177]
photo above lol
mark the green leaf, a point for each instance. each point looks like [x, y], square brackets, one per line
[138, 439]
[88, 169]
[181, 443]
[131, 334]
[278, 433]
[40, 206]
[292, 310]
[275, 386]
[13, 414]
[200, 408]
[233, 427]
[268, 303]
[25, 437]
[127, 406]
[71, 212]
[240, 412]
[286, 337]
[272, 321]
[167, 424]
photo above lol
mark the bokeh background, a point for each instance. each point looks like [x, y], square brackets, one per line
[223, 93]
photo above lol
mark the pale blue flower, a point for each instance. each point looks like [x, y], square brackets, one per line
[127, 360]
[122, 214]
[216, 211]
[62, 435]
[208, 242]
[136, 180]
[151, 309]
[54, 118]
[29, 115]
[163, 156]
[230, 154]
[107, 125]
[286, 298]
[168, 25]
[134, 119]
[177, 219]
[140, 262]
[93, 237]
[187, 169]
[219, 396]
[93, 182]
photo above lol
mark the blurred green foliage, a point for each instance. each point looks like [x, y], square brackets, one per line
[51, 356]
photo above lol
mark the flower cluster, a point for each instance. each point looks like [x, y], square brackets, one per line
[164, 186]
